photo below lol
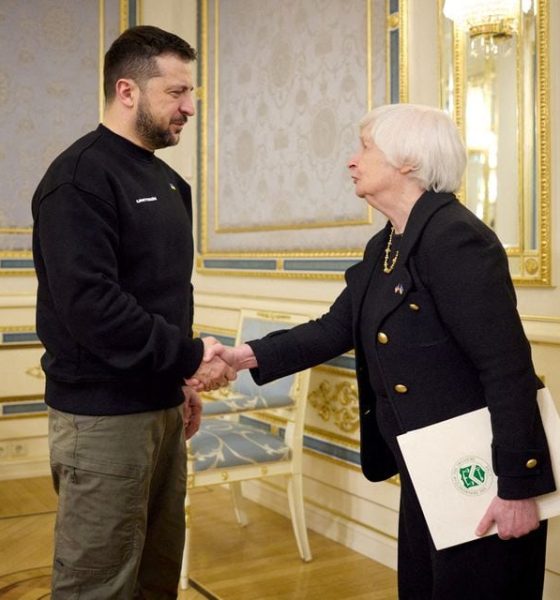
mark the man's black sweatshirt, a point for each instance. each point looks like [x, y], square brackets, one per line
[113, 251]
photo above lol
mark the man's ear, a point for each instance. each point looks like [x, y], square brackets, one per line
[126, 92]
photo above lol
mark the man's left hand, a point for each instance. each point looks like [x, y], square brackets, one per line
[192, 412]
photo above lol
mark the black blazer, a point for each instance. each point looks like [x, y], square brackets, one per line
[453, 342]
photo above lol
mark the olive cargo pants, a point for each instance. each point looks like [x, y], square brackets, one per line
[120, 481]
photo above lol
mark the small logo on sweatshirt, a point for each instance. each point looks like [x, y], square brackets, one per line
[172, 187]
[150, 199]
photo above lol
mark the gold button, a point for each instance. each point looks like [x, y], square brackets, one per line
[382, 338]
[414, 306]
[401, 389]
[531, 463]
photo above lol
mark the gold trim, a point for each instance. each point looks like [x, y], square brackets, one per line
[340, 371]
[15, 230]
[387, 54]
[392, 20]
[322, 275]
[291, 227]
[541, 318]
[215, 330]
[17, 328]
[202, 183]
[278, 255]
[403, 50]
[22, 398]
[535, 265]
[123, 15]
[369, 57]
[17, 346]
[216, 108]
[337, 401]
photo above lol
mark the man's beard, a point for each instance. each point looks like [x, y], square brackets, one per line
[153, 135]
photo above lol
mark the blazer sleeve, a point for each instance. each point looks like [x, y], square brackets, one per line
[466, 271]
[286, 351]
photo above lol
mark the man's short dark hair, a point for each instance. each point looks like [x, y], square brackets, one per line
[132, 55]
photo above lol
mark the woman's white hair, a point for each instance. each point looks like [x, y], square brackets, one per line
[422, 137]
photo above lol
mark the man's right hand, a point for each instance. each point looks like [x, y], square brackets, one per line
[240, 357]
[213, 372]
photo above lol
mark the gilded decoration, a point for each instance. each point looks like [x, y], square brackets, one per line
[337, 403]
[495, 83]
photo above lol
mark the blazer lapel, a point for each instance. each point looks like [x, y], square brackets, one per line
[426, 206]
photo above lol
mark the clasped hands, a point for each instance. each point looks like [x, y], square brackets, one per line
[220, 365]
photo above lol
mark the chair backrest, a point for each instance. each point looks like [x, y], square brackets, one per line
[254, 324]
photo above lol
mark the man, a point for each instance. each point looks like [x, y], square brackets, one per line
[113, 250]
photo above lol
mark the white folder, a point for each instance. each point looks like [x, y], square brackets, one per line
[450, 464]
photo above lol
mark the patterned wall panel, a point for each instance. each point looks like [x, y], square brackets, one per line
[49, 96]
[283, 88]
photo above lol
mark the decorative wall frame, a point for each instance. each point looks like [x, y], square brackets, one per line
[57, 51]
[512, 87]
[283, 86]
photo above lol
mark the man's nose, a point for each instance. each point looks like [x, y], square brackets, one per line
[187, 107]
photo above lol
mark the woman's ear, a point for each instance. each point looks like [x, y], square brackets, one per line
[406, 169]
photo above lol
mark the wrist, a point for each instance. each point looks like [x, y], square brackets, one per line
[247, 359]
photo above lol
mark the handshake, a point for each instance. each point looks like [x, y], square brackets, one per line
[220, 365]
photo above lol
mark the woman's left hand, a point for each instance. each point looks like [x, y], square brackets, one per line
[513, 518]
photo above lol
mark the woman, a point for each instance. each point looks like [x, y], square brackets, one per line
[431, 313]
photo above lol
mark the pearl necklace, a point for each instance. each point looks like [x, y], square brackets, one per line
[387, 268]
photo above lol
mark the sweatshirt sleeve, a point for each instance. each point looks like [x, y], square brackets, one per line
[78, 235]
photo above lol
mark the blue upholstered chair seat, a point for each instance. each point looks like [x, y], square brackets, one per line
[220, 444]
[241, 403]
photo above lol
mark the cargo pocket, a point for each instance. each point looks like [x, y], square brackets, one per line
[100, 516]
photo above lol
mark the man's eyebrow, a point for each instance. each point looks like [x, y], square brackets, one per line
[180, 87]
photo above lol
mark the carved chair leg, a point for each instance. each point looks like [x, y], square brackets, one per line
[295, 500]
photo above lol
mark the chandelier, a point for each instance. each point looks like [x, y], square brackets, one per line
[486, 22]
[483, 17]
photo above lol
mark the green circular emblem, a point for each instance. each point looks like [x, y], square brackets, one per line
[472, 475]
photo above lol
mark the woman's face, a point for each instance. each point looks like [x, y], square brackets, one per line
[370, 171]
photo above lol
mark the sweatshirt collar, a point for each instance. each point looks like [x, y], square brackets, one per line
[125, 146]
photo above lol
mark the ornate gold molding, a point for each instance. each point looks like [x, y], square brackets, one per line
[338, 402]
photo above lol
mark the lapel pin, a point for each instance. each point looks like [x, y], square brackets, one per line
[399, 289]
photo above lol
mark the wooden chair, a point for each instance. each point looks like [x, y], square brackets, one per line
[232, 446]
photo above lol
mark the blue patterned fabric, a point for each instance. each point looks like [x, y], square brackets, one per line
[238, 404]
[220, 443]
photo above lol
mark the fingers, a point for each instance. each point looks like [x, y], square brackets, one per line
[212, 348]
[192, 412]
[212, 374]
[485, 524]
[513, 518]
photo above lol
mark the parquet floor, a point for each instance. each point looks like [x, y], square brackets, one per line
[258, 562]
